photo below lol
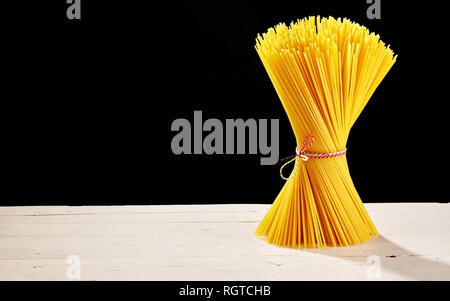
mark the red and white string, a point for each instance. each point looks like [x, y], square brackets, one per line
[303, 154]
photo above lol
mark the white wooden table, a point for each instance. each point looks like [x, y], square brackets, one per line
[212, 242]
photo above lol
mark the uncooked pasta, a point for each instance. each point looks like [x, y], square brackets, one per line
[324, 71]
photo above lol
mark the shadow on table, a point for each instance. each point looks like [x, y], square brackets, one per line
[393, 258]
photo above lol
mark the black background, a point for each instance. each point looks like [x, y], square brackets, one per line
[170, 289]
[87, 105]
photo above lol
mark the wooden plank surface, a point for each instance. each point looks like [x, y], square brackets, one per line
[212, 242]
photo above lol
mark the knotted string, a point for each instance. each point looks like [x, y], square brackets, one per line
[303, 154]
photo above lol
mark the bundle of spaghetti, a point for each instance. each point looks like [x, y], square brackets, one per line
[324, 71]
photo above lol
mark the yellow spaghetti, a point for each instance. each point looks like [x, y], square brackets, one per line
[324, 70]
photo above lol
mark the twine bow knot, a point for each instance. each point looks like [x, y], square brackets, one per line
[304, 155]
